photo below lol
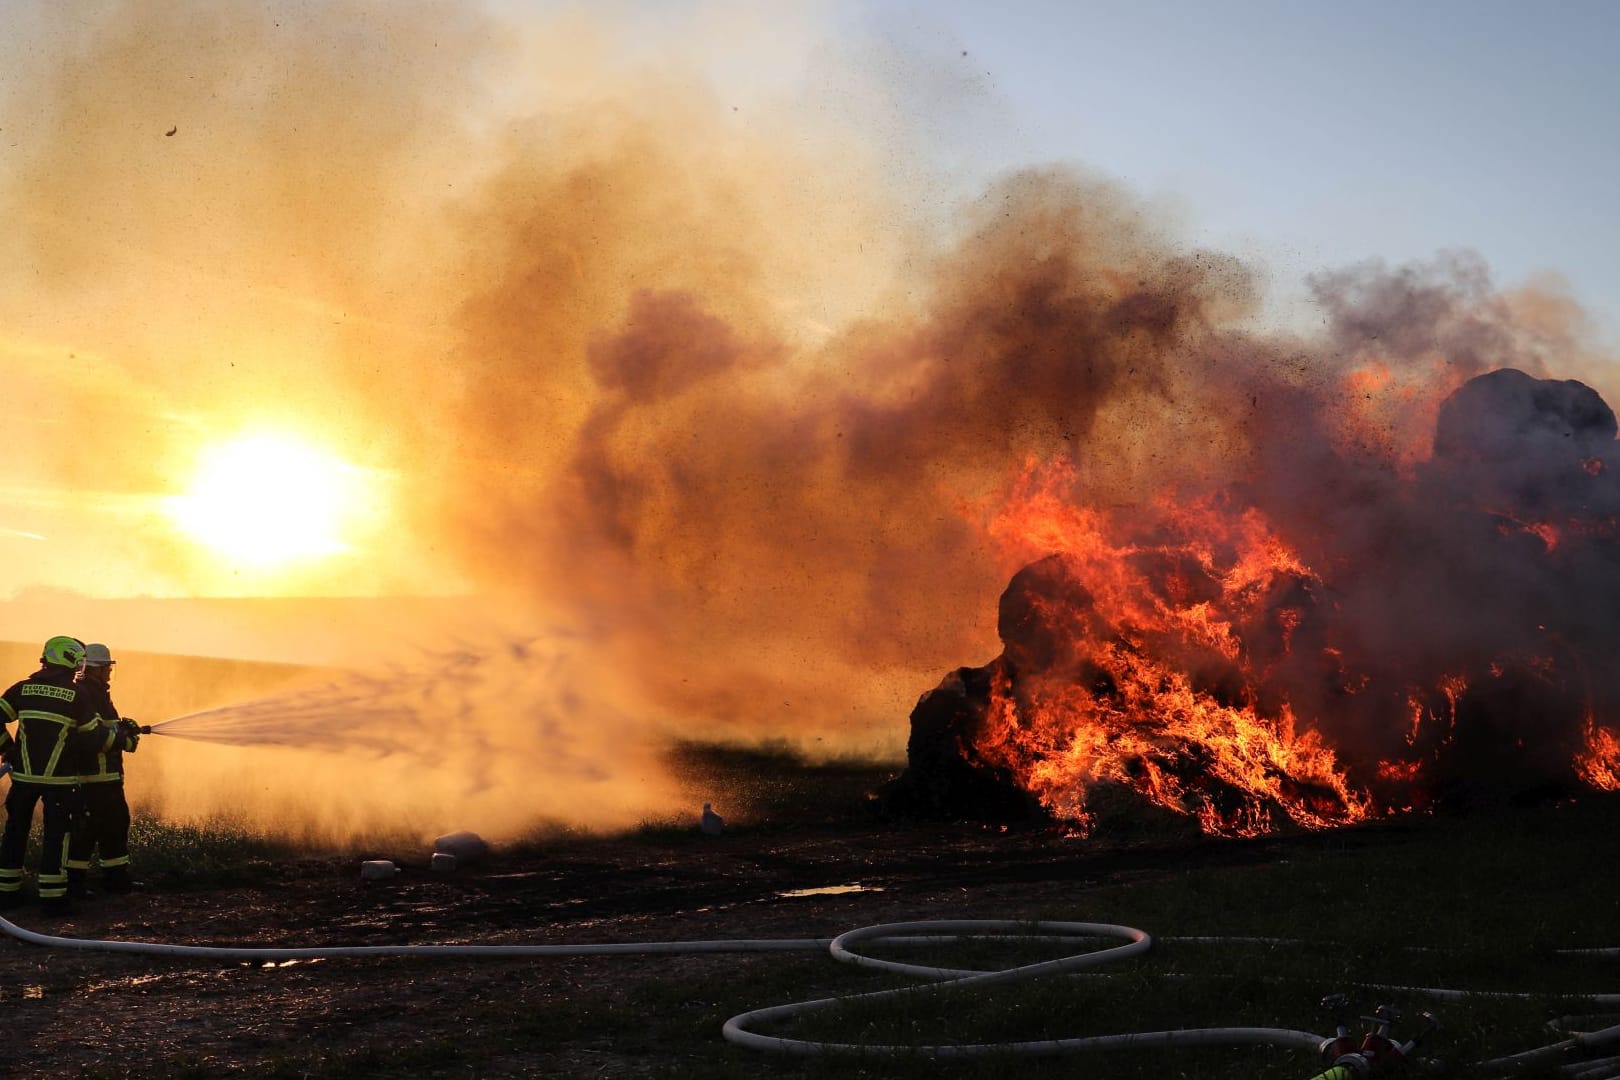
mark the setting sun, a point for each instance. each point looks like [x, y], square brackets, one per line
[271, 499]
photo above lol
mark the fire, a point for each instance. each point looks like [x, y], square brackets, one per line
[1545, 531]
[1193, 737]
[1599, 763]
[1227, 659]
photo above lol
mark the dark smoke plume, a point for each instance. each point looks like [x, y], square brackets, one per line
[736, 395]
[1460, 650]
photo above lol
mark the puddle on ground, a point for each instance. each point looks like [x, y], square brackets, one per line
[831, 890]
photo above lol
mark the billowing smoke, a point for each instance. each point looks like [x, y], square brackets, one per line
[1439, 634]
[801, 517]
[737, 388]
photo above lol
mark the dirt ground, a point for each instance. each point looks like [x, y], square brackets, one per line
[92, 1013]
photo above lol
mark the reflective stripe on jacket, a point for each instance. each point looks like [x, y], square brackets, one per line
[107, 764]
[58, 733]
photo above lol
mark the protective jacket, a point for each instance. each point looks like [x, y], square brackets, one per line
[106, 764]
[58, 734]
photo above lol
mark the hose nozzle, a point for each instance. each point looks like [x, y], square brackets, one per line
[145, 729]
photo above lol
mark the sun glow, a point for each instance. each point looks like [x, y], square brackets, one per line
[269, 500]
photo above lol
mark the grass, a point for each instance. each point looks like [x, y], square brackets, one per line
[1482, 902]
[1478, 903]
[206, 855]
[772, 785]
[768, 787]
[210, 854]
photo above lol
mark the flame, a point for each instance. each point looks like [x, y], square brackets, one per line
[1191, 736]
[1171, 646]
[1545, 531]
[1599, 763]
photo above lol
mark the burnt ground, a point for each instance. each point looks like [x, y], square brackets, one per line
[91, 1013]
[72, 1012]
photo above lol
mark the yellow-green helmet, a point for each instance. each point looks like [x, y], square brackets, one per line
[63, 652]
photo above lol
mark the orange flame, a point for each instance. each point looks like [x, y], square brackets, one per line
[1599, 763]
[1162, 646]
[1135, 716]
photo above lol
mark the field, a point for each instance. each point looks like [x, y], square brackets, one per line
[1477, 902]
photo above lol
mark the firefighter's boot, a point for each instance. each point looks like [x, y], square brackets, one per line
[116, 879]
[78, 884]
[56, 905]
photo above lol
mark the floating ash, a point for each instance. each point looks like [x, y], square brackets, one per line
[1229, 659]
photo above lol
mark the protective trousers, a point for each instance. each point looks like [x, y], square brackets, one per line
[101, 821]
[59, 800]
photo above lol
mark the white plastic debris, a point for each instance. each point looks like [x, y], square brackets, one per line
[377, 869]
[711, 823]
[442, 862]
[467, 847]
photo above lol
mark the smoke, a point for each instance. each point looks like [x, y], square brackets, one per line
[729, 382]
[798, 515]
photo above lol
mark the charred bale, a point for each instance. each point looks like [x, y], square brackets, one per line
[945, 777]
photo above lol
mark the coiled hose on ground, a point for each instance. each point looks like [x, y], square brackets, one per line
[844, 949]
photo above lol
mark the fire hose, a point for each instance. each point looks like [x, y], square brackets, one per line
[736, 1029]
[1571, 1057]
[941, 932]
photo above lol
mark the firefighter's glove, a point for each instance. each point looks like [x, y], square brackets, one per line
[130, 732]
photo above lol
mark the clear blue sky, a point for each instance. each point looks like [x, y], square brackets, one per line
[1317, 134]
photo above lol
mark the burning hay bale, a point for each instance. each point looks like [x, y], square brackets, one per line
[1222, 661]
[946, 776]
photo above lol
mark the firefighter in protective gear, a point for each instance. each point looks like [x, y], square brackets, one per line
[58, 732]
[101, 818]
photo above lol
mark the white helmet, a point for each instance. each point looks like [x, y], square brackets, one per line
[98, 655]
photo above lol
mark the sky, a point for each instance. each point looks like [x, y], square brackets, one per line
[709, 345]
[1315, 135]
[1300, 138]
[275, 230]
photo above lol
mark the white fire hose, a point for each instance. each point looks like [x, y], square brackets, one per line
[325, 952]
[942, 932]
[934, 932]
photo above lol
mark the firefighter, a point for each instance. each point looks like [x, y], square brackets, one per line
[102, 814]
[57, 732]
